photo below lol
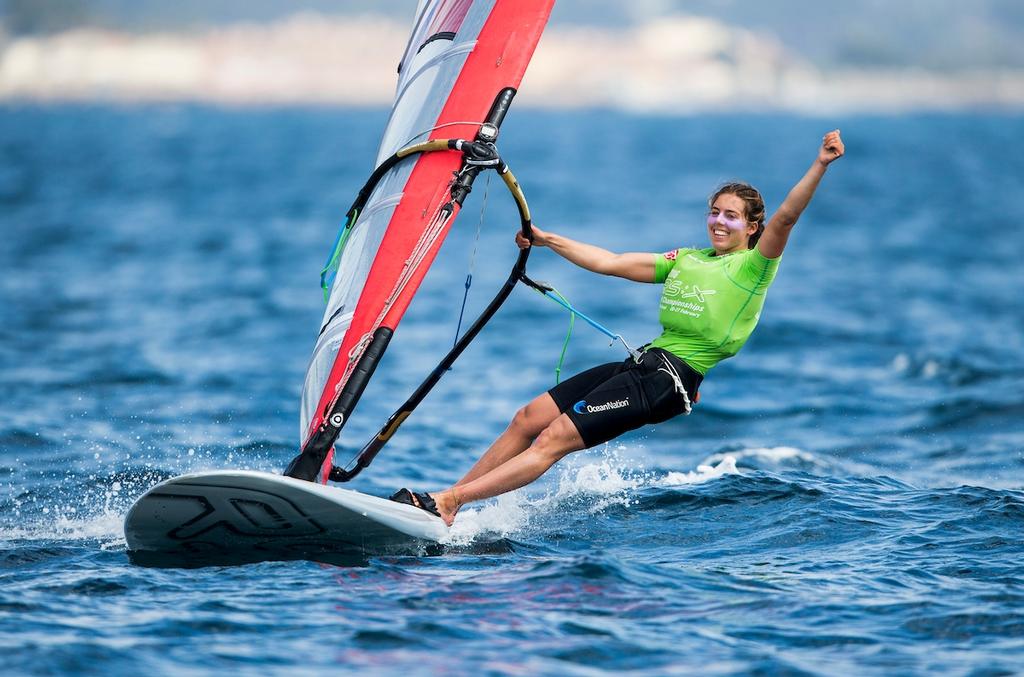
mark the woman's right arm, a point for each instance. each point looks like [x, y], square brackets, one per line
[636, 266]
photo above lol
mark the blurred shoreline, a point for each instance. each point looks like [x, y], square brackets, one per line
[678, 64]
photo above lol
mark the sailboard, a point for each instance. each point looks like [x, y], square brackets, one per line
[239, 515]
[457, 78]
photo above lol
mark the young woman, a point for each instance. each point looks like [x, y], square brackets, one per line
[711, 303]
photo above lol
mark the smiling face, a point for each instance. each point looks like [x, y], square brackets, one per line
[728, 227]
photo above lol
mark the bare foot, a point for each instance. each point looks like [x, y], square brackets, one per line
[447, 504]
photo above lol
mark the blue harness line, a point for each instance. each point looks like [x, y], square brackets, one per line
[558, 298]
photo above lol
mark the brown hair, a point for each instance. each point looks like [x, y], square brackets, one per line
[752, 201]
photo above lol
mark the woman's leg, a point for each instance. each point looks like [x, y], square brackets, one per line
[525, 426]
[541, 423]
[552, 444]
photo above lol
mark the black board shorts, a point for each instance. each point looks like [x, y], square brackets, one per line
[610, 399]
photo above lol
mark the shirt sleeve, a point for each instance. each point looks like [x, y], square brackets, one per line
[757, 270]
[664, 263]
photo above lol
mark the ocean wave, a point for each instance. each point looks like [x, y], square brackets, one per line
[954, 370]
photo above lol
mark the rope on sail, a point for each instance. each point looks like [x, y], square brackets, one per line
[426, 240]
[330, 268]
[472, 259]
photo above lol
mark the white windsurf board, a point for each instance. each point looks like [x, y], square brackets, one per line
[256, 515]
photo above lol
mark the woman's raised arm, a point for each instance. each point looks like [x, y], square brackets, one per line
[776, 231]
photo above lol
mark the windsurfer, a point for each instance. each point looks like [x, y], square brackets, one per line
[710, 304]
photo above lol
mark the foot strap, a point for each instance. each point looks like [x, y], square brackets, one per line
[421, 501]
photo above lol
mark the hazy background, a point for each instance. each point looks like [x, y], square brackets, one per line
[645, 55]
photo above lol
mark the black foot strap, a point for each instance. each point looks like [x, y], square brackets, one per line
[421, 501]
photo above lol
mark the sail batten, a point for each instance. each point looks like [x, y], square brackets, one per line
[461, 54]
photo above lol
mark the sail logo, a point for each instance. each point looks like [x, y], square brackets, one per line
[582, 407]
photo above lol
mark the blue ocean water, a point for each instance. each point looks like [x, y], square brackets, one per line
[847, 496]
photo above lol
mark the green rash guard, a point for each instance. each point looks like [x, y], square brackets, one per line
[710, 304]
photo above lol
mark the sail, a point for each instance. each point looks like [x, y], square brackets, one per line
[460, 55]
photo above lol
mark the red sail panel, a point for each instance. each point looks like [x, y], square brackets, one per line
[481, 80]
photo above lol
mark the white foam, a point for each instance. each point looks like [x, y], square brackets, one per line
[105, 527]
[603, 481]
[607, 477]
[507, 514]
[772, 454]
[705, 471]
[901, 363]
